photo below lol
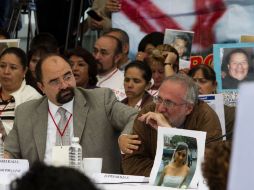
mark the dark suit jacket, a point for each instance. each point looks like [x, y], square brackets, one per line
[98, 119]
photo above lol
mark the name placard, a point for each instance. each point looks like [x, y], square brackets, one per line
[115, 178]
[10, 169]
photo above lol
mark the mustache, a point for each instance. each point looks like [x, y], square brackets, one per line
[65, 95]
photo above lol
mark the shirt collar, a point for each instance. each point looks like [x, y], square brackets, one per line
[68, 106]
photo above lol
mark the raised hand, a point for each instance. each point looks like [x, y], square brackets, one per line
[154, 120]
[113, 6]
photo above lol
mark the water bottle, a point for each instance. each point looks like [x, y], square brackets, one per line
[1, 147]
[75, 154]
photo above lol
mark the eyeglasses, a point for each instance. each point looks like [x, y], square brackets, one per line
[166, 103]
[57, 82]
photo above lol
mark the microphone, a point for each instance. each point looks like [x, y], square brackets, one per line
[220, 137]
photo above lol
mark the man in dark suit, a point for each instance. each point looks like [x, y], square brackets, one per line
[95, 116]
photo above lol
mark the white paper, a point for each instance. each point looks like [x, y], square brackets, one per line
[10, 169]
[184, 64]
[115, 178]
[215, 101]
[133, 187]
[165, 140]
[241, 165]
[60, 155]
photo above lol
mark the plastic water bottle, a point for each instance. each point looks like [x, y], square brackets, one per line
[75, 154]
[1, 147]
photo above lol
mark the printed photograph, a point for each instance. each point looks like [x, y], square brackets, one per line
[178, 162]
[233, 64]
[181, 40]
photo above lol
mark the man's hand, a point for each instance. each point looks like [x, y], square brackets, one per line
[113, 6]
[154, 119]
[128, 143]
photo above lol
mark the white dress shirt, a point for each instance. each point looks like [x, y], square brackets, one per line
[52, 130]
[114, 80]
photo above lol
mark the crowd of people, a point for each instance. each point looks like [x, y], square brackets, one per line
[113, 104]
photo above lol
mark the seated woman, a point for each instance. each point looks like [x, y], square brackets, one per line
[137, 77]
[164, 61]
[177, 170]
[13, 91]
[205, 77]
[84, 67]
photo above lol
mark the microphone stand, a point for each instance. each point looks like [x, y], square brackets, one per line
[219, 137]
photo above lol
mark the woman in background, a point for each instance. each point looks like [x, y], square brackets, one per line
[205, 77]
[84, 67]
[164, 61]
[13, 91]
[137, 77]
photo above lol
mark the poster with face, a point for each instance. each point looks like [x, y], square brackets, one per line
[178, 158]
[233, 64]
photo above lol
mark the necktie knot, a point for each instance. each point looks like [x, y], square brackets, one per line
[61, 111]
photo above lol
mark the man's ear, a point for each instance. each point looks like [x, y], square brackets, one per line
[126, 49]
[189, 108]
[41, 87]
[117, 58]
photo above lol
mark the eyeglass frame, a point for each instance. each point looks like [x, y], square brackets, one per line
[166, 103]
[57, 81]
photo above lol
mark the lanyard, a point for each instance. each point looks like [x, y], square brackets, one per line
[65, 127]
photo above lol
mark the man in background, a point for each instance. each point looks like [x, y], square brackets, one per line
[107, 51]
[124, 38]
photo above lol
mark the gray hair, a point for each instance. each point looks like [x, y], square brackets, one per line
[191, 96]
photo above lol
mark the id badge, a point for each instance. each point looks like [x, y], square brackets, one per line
[60, 155]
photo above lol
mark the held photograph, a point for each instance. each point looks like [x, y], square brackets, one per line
[178, 160]
[181, 40]
[233, 64]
